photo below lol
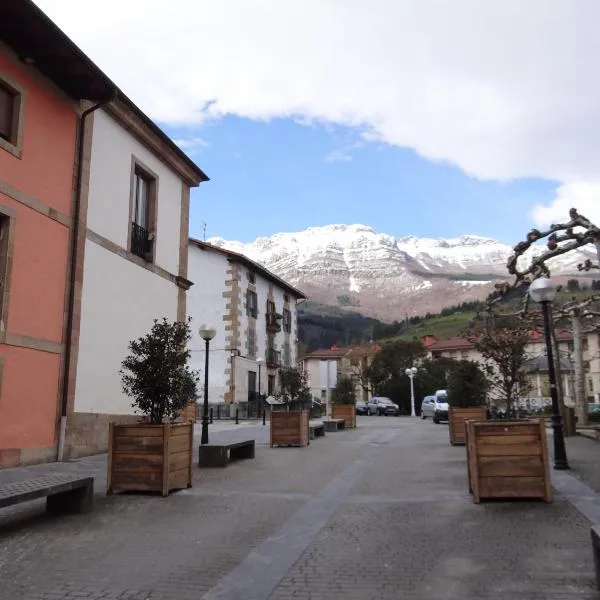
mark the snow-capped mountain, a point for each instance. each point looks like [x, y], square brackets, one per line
[387, 277]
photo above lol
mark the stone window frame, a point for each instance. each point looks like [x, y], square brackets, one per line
[252, 312]
[15, 145]
[7, 242]
[138, 168]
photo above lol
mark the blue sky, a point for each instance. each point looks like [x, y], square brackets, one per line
[281, 175]
[477, 135]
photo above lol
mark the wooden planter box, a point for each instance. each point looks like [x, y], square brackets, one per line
[190, 413]
[149, 458]
[457, 418]
[508, 460]
[289, 428]
[346, 412]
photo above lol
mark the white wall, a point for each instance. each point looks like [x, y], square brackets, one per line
[119, 303]
[205, 304]
[110, 186]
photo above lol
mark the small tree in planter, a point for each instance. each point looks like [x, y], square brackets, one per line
[343, 401]
[289, 427]
[467, 388]
[155, 455]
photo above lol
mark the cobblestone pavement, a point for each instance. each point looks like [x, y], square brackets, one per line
[378, 513]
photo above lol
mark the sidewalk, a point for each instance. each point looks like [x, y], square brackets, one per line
[379, 513]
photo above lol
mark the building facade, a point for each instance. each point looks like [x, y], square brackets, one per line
[461, 349]
[132, 259]
[325, 365]
[42, 84]
[255, 316]
[94, 202]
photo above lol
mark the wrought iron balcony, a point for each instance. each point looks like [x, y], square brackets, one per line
[141, 242]
[273, 358]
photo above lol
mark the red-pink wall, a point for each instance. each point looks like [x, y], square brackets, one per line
[44, 173]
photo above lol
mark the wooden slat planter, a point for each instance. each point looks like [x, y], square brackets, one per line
[190, 413]
[508, 460]
[457, 418]
[346, 412]
[149, 458]
[289, 428]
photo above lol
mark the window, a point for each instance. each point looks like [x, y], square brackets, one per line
[251, 277]
[464, 355]
[271, 385]
[286, 298]
[287, 356]
[287, 320]
[584, 345]
[4, 267]
[251, 304]
[143, 213]
[251, 343]
[10, 117]
[270, 307]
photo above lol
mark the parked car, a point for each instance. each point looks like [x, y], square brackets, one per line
[435, 407]
[361, 407]
[381, 406]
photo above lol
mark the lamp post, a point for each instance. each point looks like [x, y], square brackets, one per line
[207, 333]
[543, 291]
[259, 362]
[411, 372]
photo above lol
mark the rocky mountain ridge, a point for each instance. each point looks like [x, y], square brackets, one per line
[386, 277]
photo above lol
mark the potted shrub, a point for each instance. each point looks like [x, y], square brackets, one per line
[289, 425]
[467, 388]
[343, 401]
[155, 455]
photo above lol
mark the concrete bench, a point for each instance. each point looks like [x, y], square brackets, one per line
[317, 430]
[64, 493]
[220, 455]
[334, 424]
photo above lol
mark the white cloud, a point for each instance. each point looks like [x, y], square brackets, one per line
[501, 88]
[191, 144]
[338, 156]
[585, 197]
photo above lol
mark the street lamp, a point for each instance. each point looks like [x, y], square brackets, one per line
[411, 372]
[207, 333]
[259, 362]
[543, 291]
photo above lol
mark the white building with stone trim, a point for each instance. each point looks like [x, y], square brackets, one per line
[131, 265]
[255, 315]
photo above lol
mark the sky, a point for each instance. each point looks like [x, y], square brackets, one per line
[416, 117]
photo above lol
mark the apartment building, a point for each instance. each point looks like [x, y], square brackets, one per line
[255, 316]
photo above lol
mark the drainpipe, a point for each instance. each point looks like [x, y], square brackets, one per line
[72, 262]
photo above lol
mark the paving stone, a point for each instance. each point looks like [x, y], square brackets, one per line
[379, 513]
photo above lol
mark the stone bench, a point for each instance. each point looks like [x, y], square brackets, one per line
[334, 424]
[317, 430]
[220, 455]
[64, 493]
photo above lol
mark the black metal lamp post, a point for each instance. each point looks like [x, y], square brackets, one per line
[207, 333]
[259, 362]
[543, 291]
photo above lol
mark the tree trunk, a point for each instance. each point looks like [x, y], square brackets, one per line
[580, 399]
[559, 380]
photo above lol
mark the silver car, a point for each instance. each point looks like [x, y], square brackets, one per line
[435, 407]
[381, 406]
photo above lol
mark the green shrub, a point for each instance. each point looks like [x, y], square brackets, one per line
[344, 391]
[467, 385]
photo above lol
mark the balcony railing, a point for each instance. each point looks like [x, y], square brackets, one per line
[273, 322]
[273, 358]
[141, 242]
